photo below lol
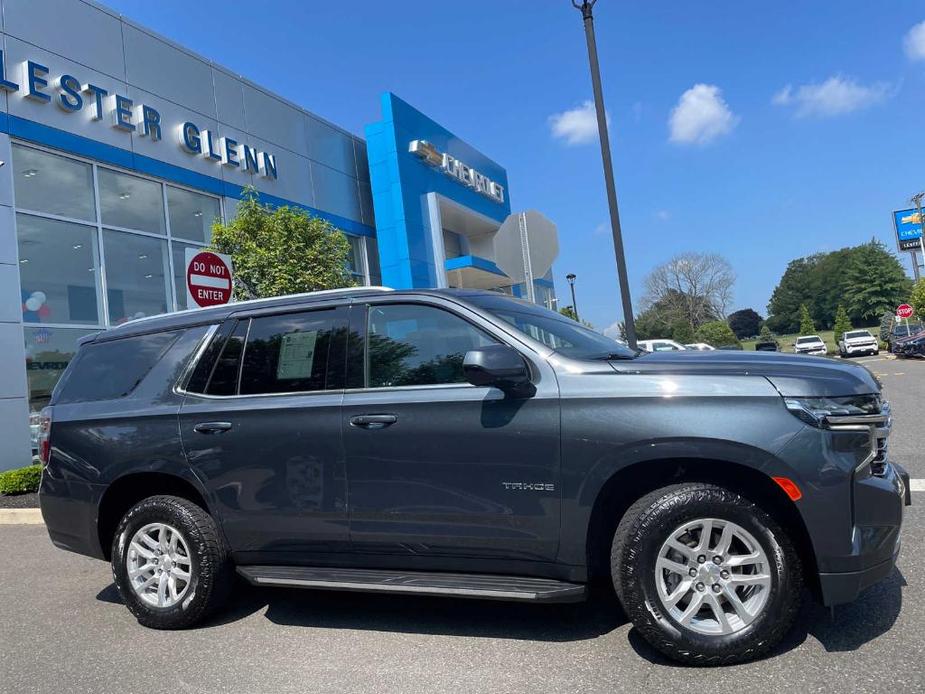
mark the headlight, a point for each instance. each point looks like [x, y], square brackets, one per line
[814, 411]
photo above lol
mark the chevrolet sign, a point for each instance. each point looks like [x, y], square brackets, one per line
[456, 169]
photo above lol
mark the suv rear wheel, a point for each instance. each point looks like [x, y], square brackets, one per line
[705, 575]
[170, 563]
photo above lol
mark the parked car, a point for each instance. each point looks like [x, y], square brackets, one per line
[468, 444]
[700, 347]
[900, 332]
[767, 346]
[810, 344]
[855, 342]
[910, 346]
[661, 345]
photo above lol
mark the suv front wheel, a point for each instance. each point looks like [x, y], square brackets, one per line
[706, 576]
[169, 563]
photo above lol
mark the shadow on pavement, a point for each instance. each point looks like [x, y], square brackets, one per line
[599, 615]
[853, 625]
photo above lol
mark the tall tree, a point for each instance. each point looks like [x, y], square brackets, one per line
[917, 300]
[745, 322]
[874, 282]
[693, 287]
[807, 327]
[281, 250]
[668, 318]
[794, 289]
[842, 322]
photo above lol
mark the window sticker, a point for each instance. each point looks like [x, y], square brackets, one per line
[296, 355]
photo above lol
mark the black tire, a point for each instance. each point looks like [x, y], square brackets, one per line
[636, 544]
[211, 571]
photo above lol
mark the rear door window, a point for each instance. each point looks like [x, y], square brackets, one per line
[224, 380]
[114, 368]
[288, 353]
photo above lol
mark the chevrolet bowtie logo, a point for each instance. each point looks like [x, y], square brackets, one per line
[427, 152]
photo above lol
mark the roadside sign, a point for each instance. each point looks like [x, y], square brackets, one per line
[208, 278]
[908, 229]
[904, 311]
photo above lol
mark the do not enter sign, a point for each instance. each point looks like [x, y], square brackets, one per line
[208, 278]
[904, 311]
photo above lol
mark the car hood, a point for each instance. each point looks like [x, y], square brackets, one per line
[906, 338]
[792, 375]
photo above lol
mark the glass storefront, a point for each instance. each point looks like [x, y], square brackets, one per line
[97, 247]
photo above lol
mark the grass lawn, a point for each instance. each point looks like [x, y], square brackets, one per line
[786, 341]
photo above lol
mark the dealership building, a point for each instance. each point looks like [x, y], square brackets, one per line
[120, 148]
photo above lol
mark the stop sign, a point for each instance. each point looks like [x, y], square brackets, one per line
[904, 311]
[208, 278]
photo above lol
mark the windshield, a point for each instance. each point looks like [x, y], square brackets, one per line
[859, 333]
[804, 340]
[554, 330]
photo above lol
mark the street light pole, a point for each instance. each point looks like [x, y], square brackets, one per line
[571, 283]
[586, 6]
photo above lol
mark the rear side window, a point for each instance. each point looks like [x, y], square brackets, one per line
[224, 379]
[287, 353]
[113, 369]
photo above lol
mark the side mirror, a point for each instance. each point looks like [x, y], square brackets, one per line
[500, 366]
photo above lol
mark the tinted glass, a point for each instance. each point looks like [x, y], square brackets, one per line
[57, 271]
[224, 379]
[136, 271]
[131, 202]
[288, 353]
[191, 214]
[108, 370]
[48, 352]
[858, 333]
[410, 345]
[48, 183]
[552, 329]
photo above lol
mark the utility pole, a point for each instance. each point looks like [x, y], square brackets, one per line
[917, 201]
[571, 283]
[586, 7]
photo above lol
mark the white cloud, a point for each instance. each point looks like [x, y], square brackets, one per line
[662, 215]
[577, 126]
[914, 42]
[701, 116]
[602, 228]
[834, 97]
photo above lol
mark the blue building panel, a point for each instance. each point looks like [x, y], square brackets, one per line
[401, 181]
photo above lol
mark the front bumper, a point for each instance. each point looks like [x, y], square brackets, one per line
[862, 349]
[879, 502]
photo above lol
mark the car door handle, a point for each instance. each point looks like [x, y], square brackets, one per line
[373, 421]
[212, 427]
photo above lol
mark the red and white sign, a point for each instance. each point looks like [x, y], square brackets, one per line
[904, 311]
[208, 278]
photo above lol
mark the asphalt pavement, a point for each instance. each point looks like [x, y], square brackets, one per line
[63, 629]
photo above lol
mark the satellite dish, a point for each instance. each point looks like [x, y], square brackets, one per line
[527, 242]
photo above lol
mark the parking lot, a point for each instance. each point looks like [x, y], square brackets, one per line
[62, 628]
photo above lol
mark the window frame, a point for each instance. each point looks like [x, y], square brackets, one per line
[359, 325]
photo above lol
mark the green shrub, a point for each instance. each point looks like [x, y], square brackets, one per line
[21, 481]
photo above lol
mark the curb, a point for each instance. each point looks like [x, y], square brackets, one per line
[21, 516]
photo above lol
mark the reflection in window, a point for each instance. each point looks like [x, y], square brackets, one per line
[413, 345]
[136, 272]
[55, 185]
[355, 258]
[131, 202]
[288, 353]
[48, 352]
[57, 271]
[224, 379]
[191, 214]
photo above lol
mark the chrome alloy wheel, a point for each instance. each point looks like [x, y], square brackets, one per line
[712, 576]
[159, 565]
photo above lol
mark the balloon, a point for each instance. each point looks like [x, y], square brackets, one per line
[40, 296]
[33, 304]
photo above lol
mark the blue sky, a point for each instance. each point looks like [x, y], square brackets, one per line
[802, 135]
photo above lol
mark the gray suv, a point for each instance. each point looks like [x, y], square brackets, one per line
[464, 443]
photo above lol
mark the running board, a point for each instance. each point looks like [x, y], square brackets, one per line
[416, 583]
